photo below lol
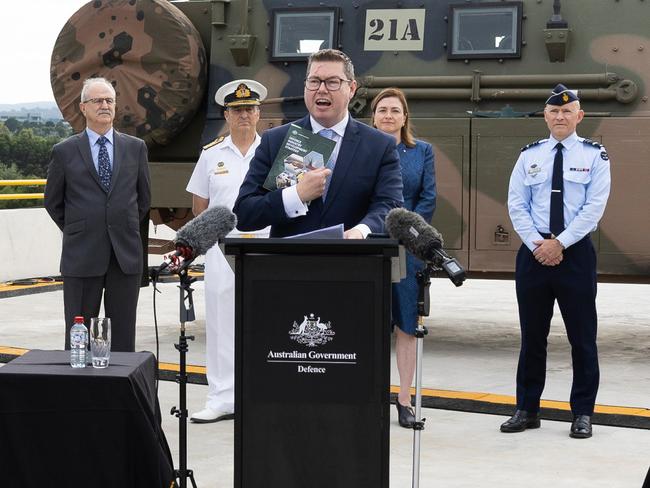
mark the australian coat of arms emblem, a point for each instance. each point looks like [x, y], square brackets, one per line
[311, 331]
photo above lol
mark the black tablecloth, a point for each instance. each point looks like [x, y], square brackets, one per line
[65, 427]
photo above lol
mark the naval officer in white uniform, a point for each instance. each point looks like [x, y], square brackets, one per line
[216, 179]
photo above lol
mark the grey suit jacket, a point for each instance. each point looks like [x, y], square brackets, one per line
[92, 219]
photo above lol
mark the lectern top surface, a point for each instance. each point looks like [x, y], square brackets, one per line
[384, 247]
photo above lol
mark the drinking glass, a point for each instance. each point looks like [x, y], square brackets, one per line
[100, 341]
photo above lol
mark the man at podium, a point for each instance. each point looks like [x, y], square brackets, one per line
[358, 186]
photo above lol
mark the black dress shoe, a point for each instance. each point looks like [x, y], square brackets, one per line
[581, 427]
[521, 421]
[405, 415]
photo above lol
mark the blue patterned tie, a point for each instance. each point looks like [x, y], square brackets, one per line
[104, 164]
[331, 162]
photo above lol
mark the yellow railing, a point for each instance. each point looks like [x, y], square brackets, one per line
[22, 196]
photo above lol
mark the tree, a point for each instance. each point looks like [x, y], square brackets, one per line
[27, 151]
[25, 154]
[12, 124]
[63, 129]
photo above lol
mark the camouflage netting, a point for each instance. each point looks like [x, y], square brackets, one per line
[151, 53]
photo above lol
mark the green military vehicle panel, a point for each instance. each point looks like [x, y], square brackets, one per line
[476, 75]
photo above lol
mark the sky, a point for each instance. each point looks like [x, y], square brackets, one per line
[28, 30]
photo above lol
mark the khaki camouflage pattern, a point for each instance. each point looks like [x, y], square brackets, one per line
[477, 113]
[151, 53]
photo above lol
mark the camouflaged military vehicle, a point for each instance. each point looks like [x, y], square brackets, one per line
[476, 74]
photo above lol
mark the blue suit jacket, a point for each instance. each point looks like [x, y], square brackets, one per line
[365, 186]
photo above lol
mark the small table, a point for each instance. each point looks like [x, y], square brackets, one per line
[66, 427]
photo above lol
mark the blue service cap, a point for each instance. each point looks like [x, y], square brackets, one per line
[561, 95]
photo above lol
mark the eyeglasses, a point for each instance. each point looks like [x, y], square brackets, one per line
[100, 101]
[332, 84]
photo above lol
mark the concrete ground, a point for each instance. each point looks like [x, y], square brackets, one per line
[472, 346]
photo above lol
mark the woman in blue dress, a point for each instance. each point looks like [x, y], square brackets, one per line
[390, 114]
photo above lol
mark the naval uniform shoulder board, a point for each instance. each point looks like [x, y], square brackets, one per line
[215, 142]
[532, 144]
[603, 154]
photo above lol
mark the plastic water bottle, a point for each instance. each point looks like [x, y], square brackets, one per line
[78, 343]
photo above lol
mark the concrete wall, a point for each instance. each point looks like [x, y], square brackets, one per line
[30, 244]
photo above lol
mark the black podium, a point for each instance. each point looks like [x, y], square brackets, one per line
[312, 363]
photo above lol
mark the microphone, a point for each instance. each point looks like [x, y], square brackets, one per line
[418, 237]
[201, 233]
[204, 231]
[423, 241]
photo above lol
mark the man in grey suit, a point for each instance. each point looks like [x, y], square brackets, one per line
[98, 192]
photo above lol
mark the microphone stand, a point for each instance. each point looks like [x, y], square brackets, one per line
[424, 282]
[186, 315]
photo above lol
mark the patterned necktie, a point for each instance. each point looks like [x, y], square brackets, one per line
[556, 222]
[331, 162]
[104, 164]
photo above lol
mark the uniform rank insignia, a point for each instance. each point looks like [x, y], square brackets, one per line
[534, 169]
[214, 143]
[221, 169]
[532, 144]
[603, 154]
[592, 143]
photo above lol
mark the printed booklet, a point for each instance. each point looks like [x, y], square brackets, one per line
[301, 151]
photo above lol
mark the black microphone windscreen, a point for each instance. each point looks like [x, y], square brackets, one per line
[205, 230]
[418, 237]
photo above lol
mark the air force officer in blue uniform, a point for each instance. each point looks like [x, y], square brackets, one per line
[359, 185]
[557, 195]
